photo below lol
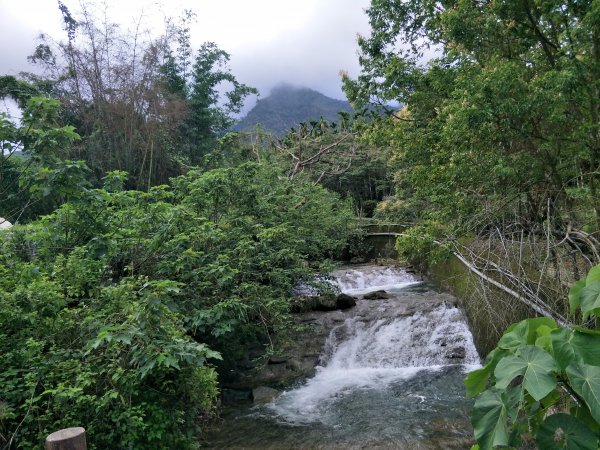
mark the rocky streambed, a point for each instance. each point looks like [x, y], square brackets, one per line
[385, 372]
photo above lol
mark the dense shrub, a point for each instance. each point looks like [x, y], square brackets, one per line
[115, 308]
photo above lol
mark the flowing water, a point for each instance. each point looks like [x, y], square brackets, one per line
[390, 376]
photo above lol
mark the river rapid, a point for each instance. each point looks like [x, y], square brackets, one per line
[390, 376]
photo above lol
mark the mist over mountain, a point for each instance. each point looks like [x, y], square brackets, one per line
[288, 105]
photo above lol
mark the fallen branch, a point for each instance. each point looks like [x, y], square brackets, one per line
[560, 320]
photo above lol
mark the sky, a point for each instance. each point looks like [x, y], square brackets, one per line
[302, 42]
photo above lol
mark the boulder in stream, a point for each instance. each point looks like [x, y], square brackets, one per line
[331, 303]
[345, 301]
[264, 394]
[456, 353]
[376, 295]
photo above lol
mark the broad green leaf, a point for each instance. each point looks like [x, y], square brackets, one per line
[545, 343]
[515, 336]
[589, 298]
[525, 332]
[489, 419]
[563, 431]
[585, 381]
[574, 293]
[476, 380]
[535, 365]
[582, 412]
[575, 346]
[593, 275]
[537, 327]
[544, 330]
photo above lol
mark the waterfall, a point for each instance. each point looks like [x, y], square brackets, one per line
[357, 281]
[380, 344]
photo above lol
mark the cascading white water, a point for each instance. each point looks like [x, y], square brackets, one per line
[391, 376]
[373, 349]
[357, 281]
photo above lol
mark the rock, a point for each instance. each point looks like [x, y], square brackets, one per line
[277, 359]
[303, 304]
[229, 396]
[306, 365]
[456, 353]
[345, 301]
[325, 303]
[263, 394]
[376, 295]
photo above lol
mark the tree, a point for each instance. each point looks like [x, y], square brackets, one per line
[118, 307]
[128, 95]
[209, 115]
[501, 109]
[34, 176]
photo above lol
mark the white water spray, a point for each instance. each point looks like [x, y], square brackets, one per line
[374, 350]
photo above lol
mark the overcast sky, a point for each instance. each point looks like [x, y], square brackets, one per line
[303, 42]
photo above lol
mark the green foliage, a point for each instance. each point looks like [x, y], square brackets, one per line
[34, 178]
[497, 126]
[542, 382]
[209, 113]
[420, 245]
[117, 309]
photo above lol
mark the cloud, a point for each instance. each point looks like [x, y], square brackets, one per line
[311, 56]
[303, 42]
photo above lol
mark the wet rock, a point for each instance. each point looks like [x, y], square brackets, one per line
[376, 295]
[345, 301]
[304, 304]
[264, 394]
[358, 260]
[305, 365]
[277, 359]
[456, 353]
[325, 303]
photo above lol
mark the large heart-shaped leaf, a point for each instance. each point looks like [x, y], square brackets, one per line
[476, 380]
[589, 298]
[515, 336]
[593, 275]
[575, 346]
[524, 332]
[574, 291]
[585, 381]
[565, 432]
[490, 419]
[535, 365]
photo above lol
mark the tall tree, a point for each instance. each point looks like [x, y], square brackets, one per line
[129, 93]
[211, 107]
[504, 113]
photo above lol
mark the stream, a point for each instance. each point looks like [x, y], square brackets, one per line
[390, 376]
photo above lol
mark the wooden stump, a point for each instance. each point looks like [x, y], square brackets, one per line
[67, 439]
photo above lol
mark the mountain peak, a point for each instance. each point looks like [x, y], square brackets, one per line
[288, 105]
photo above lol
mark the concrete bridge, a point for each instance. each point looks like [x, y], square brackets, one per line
[382, 239]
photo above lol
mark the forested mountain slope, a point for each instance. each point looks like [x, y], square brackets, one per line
[287, 106]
